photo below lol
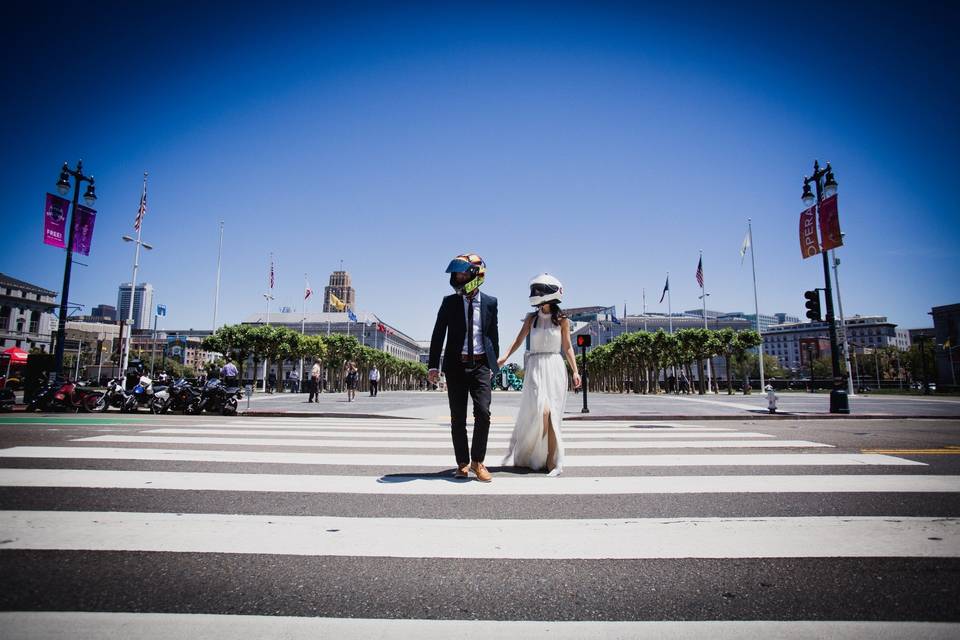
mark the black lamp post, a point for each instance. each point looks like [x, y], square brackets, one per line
[826, 186]
[90, 196]
[810, 360]
[922, 339]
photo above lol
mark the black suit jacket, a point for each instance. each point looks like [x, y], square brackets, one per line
[452, 324]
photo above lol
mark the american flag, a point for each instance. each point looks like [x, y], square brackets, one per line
[700, 272]
[142, 211]
[271, 271]
[308, 292]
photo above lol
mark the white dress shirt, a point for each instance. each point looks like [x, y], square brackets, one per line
[477, 331]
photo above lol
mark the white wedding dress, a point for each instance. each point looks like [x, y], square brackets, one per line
[544, 386]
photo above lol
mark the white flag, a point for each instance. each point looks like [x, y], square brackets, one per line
[744, 247]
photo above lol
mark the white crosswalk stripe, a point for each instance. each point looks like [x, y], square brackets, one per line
[205, 465]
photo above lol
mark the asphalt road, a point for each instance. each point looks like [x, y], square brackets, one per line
[354, 527]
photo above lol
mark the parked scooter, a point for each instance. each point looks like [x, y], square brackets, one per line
[216, 398]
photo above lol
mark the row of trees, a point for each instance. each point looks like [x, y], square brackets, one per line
[645, 357]
[280, 344]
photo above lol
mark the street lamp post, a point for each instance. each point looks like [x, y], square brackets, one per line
[922, 339]
[810, 360]
[89, 196]
[128, 329]
[826, 186]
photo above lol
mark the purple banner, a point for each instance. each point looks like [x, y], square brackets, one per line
[83, 220]
[55, 221]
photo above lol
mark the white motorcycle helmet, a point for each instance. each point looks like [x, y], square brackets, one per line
[545, 288]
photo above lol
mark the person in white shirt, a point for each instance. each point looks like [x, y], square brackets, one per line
[374, 381]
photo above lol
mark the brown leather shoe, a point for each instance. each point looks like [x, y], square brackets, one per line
[481, 472]
[461, 471]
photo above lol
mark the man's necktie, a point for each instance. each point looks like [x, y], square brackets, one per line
[470, 329]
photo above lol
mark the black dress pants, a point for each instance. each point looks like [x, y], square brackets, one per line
[473, 381]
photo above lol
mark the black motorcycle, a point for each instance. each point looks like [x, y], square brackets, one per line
[176, 397]
[216, 398]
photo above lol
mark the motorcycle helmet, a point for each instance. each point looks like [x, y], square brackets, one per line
[475, 269]
[545, 288]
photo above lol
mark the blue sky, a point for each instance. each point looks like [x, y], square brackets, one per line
[605, 143]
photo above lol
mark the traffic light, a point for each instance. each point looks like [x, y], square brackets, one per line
[813, 305]
[583, 340]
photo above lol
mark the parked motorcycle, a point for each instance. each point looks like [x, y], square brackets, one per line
[216, 398]
[114, 396]
[65, 396]
[176, 397]
[141, 395]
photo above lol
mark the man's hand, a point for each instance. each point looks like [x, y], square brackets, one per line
[433, 376]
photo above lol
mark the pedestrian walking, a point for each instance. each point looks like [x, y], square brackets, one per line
[536, 442]
[374, 381]
[467, 321]
[229, 374]
[351, 380]
[314, 386]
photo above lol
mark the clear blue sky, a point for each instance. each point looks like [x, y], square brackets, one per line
[605, 143]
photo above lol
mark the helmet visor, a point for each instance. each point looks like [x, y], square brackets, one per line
[538, 290]
[458, 265]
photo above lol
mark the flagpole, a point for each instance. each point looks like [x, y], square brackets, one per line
[125, 360]
[216, 297]
[644, 309]
[756, 303]
[269, 297]
[703, 296]
[669, 306]
[303, 321]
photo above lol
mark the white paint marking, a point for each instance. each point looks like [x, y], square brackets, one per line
[79, 625]
[504, 485]
[587, 539]
[82, 625]
[446, 461]
[503, 435]
[414, 444]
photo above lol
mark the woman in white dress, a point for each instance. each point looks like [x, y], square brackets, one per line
[536, 442]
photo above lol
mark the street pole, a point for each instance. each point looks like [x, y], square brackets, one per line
[810, 360]
[268, 298]
[922, 339]
[76, 375]
[63, 186]
[153, 345]
[843, 322]
[583, 379]
[703, 291]
[839, 402]
[216, 297]
[644, 311]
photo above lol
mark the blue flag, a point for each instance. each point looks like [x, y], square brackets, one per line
[161, 310]
[351, 315]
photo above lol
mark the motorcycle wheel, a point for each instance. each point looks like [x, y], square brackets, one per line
[129, 406]
[230, 408]
[157, 406]
[192, 409]
[102, 403]
[92, 402]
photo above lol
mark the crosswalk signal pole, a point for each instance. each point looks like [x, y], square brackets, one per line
[583, 341]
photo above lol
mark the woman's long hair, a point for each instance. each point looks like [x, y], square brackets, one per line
[557, 316]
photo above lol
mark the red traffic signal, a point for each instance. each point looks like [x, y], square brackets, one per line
[583, 340]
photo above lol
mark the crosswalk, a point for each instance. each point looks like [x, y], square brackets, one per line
[323, 527]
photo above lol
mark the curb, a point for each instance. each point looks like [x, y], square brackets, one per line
[770, 416]
[318, 414]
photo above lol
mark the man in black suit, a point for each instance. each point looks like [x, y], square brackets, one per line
[468, 320]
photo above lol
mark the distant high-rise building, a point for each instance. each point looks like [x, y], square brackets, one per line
[340, 287]
[104, 312]
[142, 304]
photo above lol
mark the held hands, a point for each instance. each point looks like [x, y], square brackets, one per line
[433, 376]
[502, 361]
[576, 381]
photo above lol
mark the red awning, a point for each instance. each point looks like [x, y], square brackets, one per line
[17, 355]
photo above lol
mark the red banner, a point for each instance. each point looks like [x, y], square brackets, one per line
[55, 221]
[830, 224]
[808, 233]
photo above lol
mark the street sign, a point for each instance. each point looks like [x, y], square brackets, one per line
[161, 310]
